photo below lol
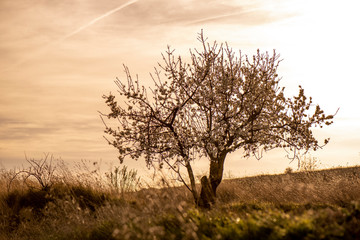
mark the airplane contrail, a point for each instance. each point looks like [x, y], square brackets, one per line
[96, 20]
[41, 50]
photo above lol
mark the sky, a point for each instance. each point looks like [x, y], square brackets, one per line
[59, 57]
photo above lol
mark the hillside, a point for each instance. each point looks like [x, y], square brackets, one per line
[302, 205]
[331, 186]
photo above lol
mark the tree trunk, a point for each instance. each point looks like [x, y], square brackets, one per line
[208, 188]
[216, 171]
[192, 181]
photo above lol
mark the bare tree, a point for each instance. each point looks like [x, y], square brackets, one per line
[218, 103]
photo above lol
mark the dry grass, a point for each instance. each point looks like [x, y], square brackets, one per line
[334, 186]
[301, 205]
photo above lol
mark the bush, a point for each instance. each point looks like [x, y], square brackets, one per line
[122, 180]
[87, 198]
[19, 203]
[288, 170]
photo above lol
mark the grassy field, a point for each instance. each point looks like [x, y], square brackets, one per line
[300, 205]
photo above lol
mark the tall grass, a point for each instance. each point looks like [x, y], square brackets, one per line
[335, 186]
[298, 205]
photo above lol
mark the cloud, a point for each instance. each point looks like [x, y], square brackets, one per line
[15, 129]
[42, 49]
[63, 127]
[247, 18]
[157, 12]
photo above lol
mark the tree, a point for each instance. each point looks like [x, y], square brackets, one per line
[216, 104]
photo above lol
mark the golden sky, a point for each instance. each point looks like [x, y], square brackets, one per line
[59, 57]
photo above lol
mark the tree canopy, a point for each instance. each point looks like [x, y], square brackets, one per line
[219, 102]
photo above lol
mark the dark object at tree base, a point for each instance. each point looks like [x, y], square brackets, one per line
[207, 197]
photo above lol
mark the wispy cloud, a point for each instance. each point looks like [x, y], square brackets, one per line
[155, 13]
[212, 18]
[80, 29]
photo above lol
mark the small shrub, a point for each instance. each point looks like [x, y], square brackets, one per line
[17, 203]
[288, 170]
[172, 226]
[308, 163]
[122, 180]
[103, 232]
[87, 198]
[34, 199]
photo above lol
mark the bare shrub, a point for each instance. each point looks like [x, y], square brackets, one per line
[308, 163]
[42, 171]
